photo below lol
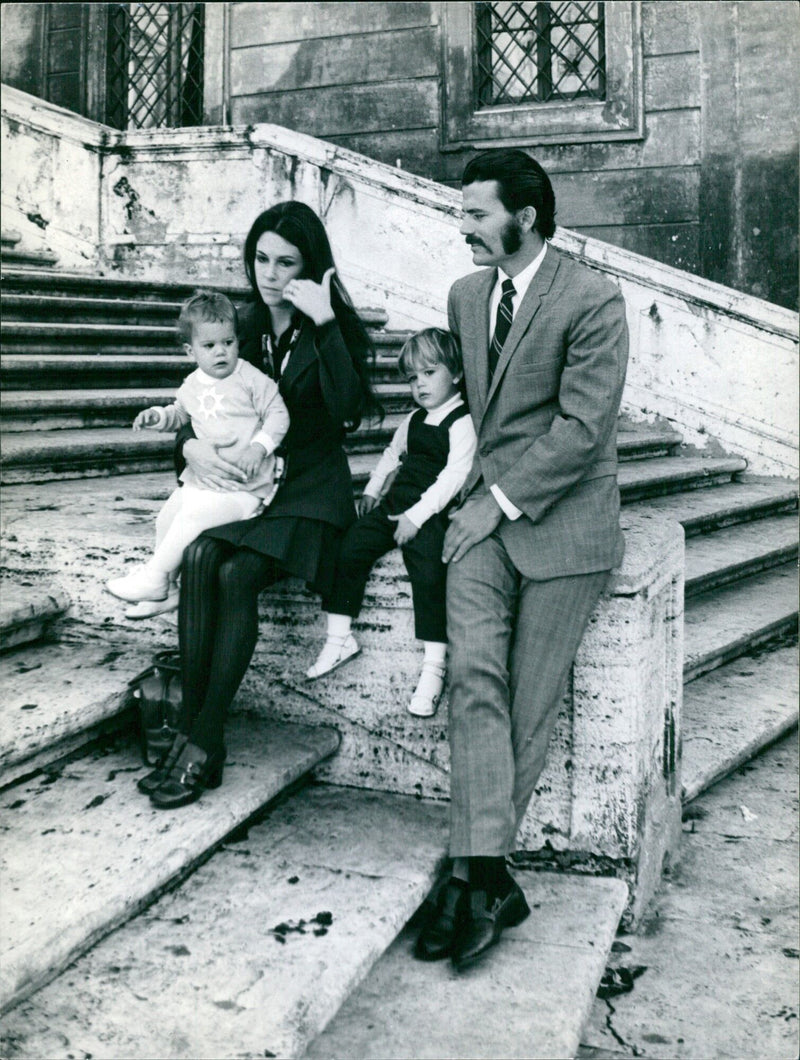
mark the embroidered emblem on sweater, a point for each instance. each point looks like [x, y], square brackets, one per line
[210, 403]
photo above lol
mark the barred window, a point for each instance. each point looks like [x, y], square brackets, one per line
[155, 65]
[526, 73]
[537, 52]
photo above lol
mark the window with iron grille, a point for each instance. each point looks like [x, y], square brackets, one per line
[537, 52]
[533, 72]
[154, 65]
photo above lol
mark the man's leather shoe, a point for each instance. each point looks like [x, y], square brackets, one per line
[447, 917]
[486, 924]
[192, 772]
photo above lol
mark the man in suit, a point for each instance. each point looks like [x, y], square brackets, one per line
[532, 544]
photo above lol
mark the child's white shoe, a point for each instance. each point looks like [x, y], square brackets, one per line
[335, 652]
[428, 691]
[144, 583]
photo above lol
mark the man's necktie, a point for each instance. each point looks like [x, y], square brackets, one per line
[505, 314]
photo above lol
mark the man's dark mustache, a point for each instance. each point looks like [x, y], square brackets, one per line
[475, 243]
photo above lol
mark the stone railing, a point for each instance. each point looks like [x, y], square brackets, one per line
[175, 204]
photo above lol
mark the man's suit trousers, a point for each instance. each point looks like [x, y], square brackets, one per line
[512, 643]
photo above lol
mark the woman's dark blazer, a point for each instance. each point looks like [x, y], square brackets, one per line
[323, 394]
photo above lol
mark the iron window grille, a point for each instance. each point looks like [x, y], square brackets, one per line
[539, 52]
[155, 65]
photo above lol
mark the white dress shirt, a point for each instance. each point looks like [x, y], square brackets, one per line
[449, 480]
[522, 282]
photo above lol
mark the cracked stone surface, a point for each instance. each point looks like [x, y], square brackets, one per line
[721, 944]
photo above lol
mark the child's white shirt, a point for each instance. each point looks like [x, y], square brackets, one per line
[242, 408]
[463, 443]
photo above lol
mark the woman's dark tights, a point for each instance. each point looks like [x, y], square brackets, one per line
[217, 630]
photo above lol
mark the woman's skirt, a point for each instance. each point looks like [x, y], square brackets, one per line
[301, 547]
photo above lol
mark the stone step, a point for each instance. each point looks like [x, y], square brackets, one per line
[56, 697]
[40, 456]
[47, 455]
[89, 288]
[335, 884]
[639, 440]
[122, 368]
[749, 498]
[80, 309]
[48, 410]
[531, 997]
[9, 237]
[84, 851]
[732, 713]
[727, 555]
[724, 623]
[24, 259]
[674, 474]
[79, 340]
[26, 615]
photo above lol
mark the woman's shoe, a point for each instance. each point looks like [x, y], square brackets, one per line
[141, 584]
[428, 691]
[192, 772]
[148, 784]
[335, 652]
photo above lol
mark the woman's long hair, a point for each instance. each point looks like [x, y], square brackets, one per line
[299, 225]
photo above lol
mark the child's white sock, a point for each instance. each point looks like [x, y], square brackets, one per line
[339, 625]
[435, 652]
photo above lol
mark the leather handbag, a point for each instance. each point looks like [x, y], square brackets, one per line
[156, 695]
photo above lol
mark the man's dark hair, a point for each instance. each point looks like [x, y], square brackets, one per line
[521, 182]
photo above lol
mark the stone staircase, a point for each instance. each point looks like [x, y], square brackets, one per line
[244, 922]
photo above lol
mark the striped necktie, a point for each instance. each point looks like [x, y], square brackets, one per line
[505, 314]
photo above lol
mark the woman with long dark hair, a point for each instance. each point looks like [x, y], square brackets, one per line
[300, 328]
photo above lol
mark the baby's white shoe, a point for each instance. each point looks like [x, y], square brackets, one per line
[151, 608]
[428, 691]
[144, 583]
[335, 652]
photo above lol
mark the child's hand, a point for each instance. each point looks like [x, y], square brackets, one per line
[148, 418]
[251, 460]
[366, 504]
[406, 531]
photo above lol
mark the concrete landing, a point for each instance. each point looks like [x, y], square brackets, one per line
[722, 624]
[720, 949]
[732, 713]
[530, 997]
[53, 696]
[83, 851]
[255, 953]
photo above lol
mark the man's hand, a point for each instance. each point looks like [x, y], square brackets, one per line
[406, 531]
[251, 459]
[148, 418]
[313, 299]
[212, 470]
[470, 524]
[366, 504]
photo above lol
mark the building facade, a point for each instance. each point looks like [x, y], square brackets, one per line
[669, 128]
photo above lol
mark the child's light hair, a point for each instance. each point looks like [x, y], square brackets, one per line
[205, 307]
[429, 347]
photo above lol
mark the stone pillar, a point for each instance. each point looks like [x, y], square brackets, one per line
[608, 801]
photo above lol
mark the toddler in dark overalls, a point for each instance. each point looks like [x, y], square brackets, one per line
[405, 503]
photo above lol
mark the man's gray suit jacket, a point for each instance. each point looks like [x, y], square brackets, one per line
[547, 424]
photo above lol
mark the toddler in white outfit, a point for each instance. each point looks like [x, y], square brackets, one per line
[230, 404]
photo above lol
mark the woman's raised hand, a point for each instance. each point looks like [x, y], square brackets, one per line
[312, 299]
[212, 470]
